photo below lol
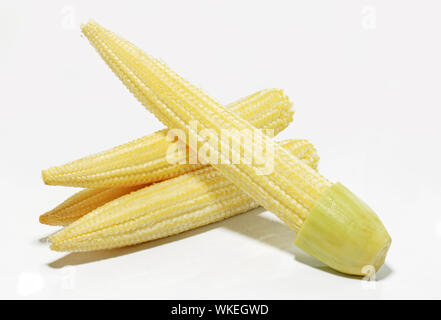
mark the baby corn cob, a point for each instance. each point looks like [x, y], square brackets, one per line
[88, 200]
[332, 224]
[144, 160]
[169, 207]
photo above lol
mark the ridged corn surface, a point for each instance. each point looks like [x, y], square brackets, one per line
[290, 190]
[183, 203]
[87, 200]
[145, 161]
[82, 203]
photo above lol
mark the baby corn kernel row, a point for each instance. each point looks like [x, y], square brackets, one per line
[332, 224]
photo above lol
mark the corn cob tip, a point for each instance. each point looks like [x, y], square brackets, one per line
[89, 22]
[55, 246]
[43, 219]
[343, 232]
[45, 176]
[56, 241]
[50, 175]
[50, 219]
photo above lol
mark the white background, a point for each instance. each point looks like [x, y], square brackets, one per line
[365, 78]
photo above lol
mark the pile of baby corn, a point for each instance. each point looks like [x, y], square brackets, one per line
[133, 193]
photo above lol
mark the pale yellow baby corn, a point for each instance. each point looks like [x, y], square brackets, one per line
[87, 200]
[144, 160]
[163, 209]
[332, 224]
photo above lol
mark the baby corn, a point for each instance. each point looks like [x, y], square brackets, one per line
[145, 161]
[87, 200]
[332, 224]
[156, 211]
